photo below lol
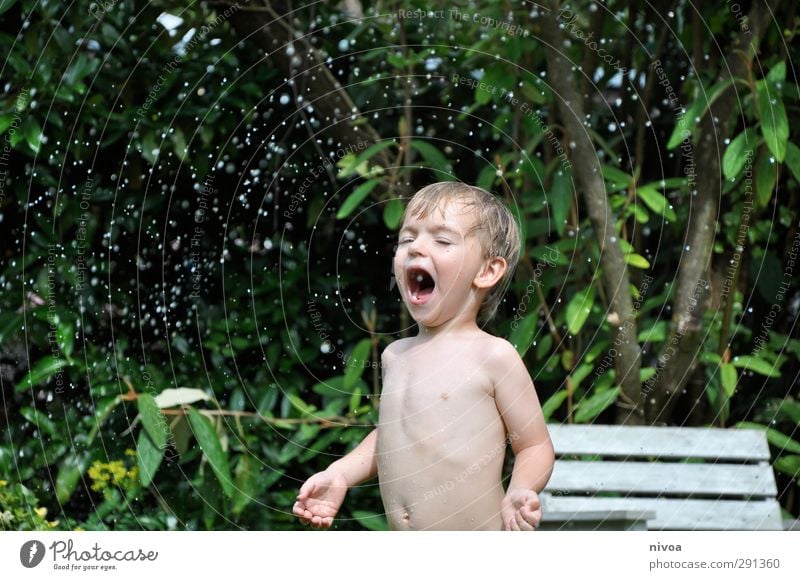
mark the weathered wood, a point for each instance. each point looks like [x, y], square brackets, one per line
[676, 514]
[660, 442]
[614, 520]
[729, 485]
[699, 479]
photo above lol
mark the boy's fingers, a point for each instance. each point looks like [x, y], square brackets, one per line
[307, 489]
[522, 523]
[532, 516]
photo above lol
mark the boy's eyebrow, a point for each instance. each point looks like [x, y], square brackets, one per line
[436, 229]
[446, 229]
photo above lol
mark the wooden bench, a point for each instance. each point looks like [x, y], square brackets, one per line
[660, 478]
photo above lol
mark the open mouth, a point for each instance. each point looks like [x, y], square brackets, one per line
[420, 285]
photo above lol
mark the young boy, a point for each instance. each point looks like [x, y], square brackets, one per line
[453, 394]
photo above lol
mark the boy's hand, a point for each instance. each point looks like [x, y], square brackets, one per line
[320, 498]
[521, 510]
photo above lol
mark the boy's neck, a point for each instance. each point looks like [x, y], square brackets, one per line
[452, 326]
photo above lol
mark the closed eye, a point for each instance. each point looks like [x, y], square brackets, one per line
[404, 241]
[444, 242]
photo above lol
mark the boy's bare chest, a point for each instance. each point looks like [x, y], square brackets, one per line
[430, 384]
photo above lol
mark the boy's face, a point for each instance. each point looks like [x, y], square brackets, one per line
[437, 262]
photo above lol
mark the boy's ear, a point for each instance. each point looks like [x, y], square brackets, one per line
[490, 274]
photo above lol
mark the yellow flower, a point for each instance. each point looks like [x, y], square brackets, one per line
[41, 512]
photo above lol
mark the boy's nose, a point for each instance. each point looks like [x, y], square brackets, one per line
[416, 248]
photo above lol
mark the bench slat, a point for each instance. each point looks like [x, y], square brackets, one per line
[664, 442]
[657, 478]
[678, 514]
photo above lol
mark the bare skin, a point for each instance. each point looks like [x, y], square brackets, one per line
[452, 396]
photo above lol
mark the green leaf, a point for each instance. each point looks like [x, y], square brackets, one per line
[766, 177]
[729, 378]
[560, 198]
[6, 4]
[354, 199]
[69, 472]
[522, 333]
[616, 179]
[579, 308]
[655, 333]
[552, 404]
[790, 465]
[434, 157]
[689, 122]
[246, 484]
[41, 372]
[775, 437]
[774, 122]
[148, 458]
[793, 159]
[350, 164]
[209, 442]
[757, 365]
[653, 199]
[371, 520]
[356, 363]
[686, 123]
[637, 261]
[39, 419]
[497, 76]
[737, 152]
[334, 387]
[301, 405]
[33, 133]
[153, 421]
[66, 337]
[590, 408]
[393, 213]
[777, 74]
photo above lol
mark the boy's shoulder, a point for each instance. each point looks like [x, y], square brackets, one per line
[397, 347]
[498, 350]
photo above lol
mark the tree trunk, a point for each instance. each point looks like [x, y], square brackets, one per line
[679, 356]
[589, 180]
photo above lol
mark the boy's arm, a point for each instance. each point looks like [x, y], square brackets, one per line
[322, 494]
[519, 407]
[359, 465]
